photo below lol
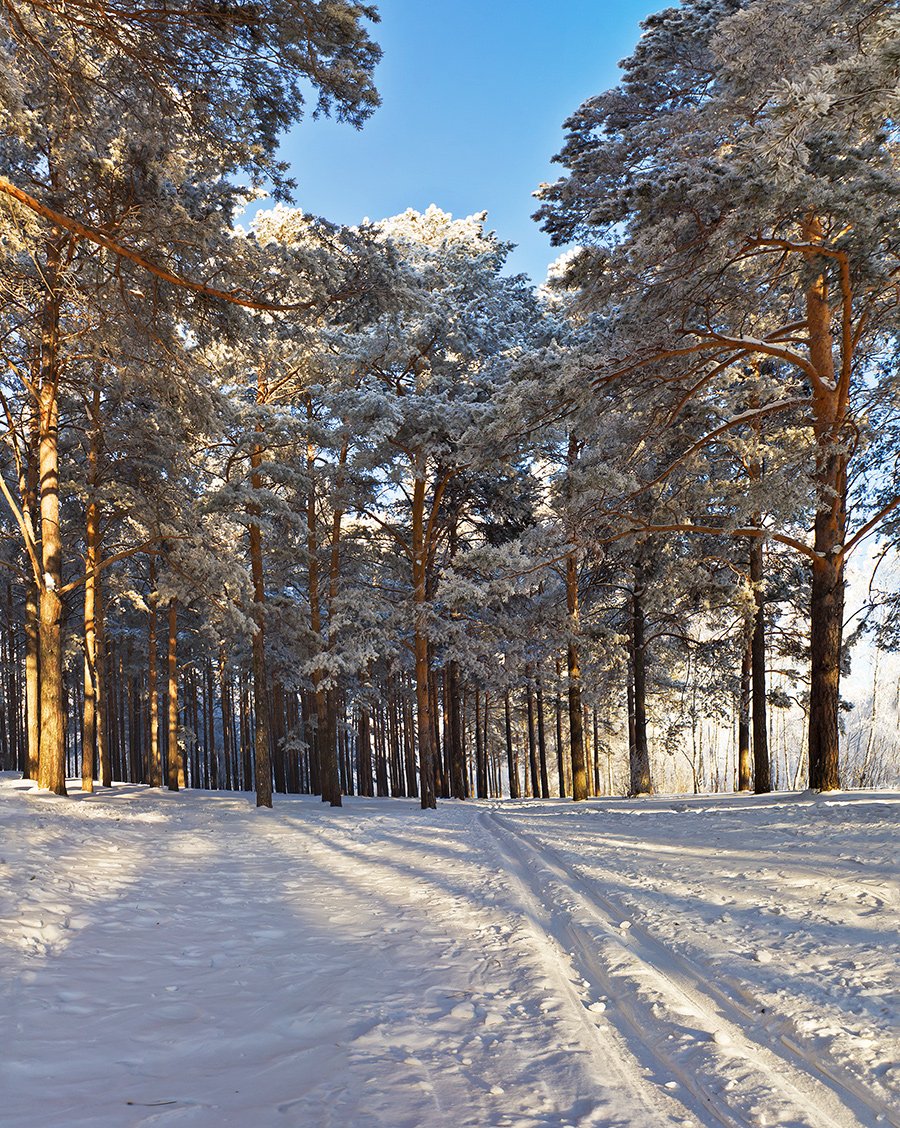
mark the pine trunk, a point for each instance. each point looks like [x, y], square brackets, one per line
[92, 703]
[576, 729]
[175, 769]
[452, 734]
[262, 755]
[761, 772]
[542, 743]
[423, 698]
[744, 758]
[329, 778]
[510, 752]
[52, 771]
[481, 783]
[154, 767]
[826, 627]
[830, 408]
[560, 759]
[32, 680]
[641, 783]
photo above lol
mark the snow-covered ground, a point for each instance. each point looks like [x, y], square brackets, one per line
[188, 960]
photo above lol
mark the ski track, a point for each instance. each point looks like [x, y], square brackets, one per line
[739, 1070]
[186, 961]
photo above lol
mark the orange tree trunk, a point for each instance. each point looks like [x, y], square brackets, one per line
[52, 695]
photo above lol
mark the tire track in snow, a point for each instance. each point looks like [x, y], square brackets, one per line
[729, 1070]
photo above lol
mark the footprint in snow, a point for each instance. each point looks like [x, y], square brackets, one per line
[464, 1012]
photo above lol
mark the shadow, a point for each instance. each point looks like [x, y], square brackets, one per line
[302, 965]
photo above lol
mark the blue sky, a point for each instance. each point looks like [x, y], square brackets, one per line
[474, 94]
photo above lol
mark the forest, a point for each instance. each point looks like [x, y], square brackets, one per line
[292, 506]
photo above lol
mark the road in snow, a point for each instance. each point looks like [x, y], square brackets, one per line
[188, 960]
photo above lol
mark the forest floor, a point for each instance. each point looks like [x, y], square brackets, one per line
[187, 960]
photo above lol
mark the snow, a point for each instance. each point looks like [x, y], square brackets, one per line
[185, 959]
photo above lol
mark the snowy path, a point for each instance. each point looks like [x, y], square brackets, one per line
[736, 1065]
[188, 960]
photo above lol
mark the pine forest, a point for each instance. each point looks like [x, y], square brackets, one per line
[299, 509]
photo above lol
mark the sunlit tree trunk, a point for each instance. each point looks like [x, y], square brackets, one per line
[52, 691]
[29, 487]
[89, 732]
[744, 757]
[830, 406]
[92, 703]
[154, 764]
[174, 766]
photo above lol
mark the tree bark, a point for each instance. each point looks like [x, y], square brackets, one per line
[92, 703]
[441, 775]
[364, 755]
[227, 709]
[329, 778]
[154, 767]
[262, 741]
[576, 729]
[744, 758]
[830, 408]
[826, 628]
[101, 667]
[493, 772]
[762, 780]
[532, 743]
[408, 783]
[481, 782]
[174, 766]
[542, 742]
[452, 741]
[209, 728]
[32, 680]
[560, 760]
[52, 773]
[30, 485]
[423, 697]
[510, 752]
[641, 782]
[89, 719]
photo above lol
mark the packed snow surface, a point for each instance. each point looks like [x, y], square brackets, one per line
[185, 959]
